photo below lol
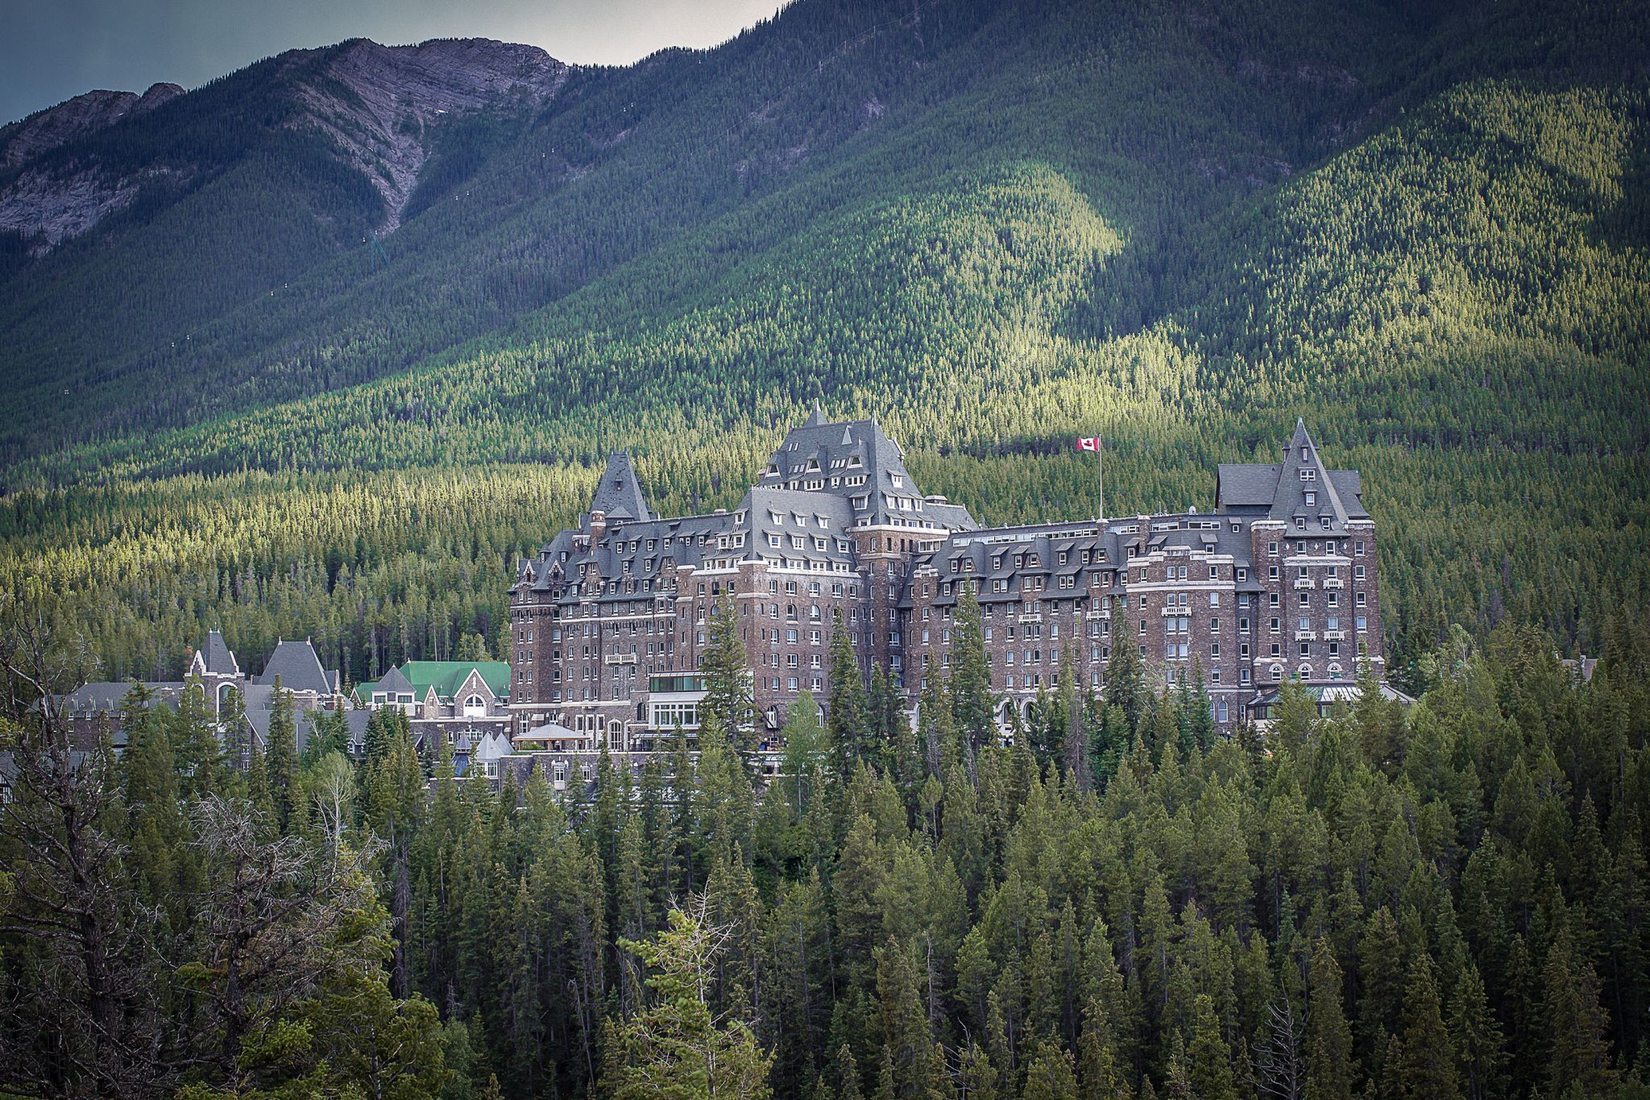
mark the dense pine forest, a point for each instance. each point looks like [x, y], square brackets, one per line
[1444, 901]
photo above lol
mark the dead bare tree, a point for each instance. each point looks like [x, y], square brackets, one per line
[1278, 1063]
[80, 1013]
[270, 921]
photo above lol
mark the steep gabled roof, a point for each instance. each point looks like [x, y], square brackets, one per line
[394, 682]
[1280, 490]
[299, 669]
[843, 451]
[1289, 499]
[619, 493]
[216, 656]
[1245, 485]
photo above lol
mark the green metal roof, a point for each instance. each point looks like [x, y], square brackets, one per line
[448, 676]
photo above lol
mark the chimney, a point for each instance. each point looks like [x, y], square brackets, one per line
[598, 526]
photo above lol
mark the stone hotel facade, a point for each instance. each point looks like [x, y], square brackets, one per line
[608, 620]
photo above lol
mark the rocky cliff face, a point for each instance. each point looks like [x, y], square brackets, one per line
[378, 106]
[380, 103]
[77, 118]
[48, 204]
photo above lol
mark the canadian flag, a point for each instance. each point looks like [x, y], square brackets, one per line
[1088, 444]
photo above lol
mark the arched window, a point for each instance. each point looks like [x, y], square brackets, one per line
[1277, 672]
[475, 707]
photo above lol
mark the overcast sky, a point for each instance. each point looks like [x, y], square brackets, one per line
[53, 49]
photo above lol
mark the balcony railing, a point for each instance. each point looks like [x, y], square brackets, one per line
[1306, 635]
[1332, 582]
[1334, 635]
[1306, 582]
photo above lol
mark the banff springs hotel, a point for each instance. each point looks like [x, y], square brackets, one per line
[609, 620]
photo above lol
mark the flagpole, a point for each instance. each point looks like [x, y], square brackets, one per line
[1100, 477]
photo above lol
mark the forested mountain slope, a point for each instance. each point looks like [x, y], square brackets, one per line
[994, 226]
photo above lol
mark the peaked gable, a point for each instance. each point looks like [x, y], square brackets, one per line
[619, 493]
[298, 668]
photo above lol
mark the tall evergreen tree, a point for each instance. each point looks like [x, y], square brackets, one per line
[1125, 685]
[1477, 1036]
[1331, 1073]
[847, 716]
[677, 1047]
[1427, 1069]
[726, 667]
[1578, 1051]
[972, 705]
[281, 758]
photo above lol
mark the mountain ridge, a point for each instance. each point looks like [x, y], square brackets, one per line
[375, 105]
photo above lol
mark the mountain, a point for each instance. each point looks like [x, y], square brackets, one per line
[376, 108]
[400, 273]
[40, 205]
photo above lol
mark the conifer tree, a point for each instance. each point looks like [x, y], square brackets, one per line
[1577, 1024]
[847, 716]
[1125, 685]
[395, 806]
[678, 1046]
[847, 1074]
[936, 730]
[907, 1038]
[727, 671]
[1427, 1069]
[1075, 743]
[281, 758]
[1477, 1036]
[972, 708]
[1209, 1056]
[195, 741]
[1049, 1075]
[976, 1077]
[1330, 1070]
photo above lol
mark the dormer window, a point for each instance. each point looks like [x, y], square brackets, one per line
[1311, 499]
[1308, 474]
[897, 480]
